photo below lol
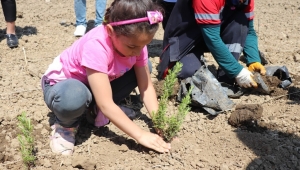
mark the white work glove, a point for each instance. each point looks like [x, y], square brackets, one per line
[245, 79]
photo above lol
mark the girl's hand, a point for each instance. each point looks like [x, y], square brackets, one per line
[153, 141]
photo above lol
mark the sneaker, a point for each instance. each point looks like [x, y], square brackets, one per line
[79, 31]
[12, 40]
[62, 139]
[100, 119]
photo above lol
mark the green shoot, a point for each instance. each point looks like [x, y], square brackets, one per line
[170, 125]
[26, 140]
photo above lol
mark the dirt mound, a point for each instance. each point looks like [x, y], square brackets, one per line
[245, 115]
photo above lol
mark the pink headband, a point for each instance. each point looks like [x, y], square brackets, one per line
[152, 16]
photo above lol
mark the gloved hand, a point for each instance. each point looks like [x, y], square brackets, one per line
[256, 66]
[245, 79]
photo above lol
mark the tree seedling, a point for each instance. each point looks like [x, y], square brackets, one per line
[169, 126]
[26, 140]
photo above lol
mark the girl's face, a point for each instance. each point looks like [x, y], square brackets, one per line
[130, 46]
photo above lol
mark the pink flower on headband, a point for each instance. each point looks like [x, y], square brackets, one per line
[152, 16]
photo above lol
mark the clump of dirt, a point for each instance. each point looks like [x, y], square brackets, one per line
[272, 83]
[245, 115]
[294, 93]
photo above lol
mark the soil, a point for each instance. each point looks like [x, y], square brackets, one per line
[45, 29]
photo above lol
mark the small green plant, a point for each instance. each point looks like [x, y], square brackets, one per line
[170, 125]
[26, 140]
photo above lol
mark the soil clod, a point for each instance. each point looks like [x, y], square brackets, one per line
[245, 115]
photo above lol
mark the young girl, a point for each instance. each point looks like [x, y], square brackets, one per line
[111, 60]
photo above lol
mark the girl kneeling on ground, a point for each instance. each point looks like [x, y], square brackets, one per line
[106, 64]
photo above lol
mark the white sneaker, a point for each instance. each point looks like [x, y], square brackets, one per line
[62, 139]
[79, 31]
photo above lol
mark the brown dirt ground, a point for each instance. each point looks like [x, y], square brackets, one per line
[46, 28]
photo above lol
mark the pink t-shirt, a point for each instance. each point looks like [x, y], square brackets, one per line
[95, 51]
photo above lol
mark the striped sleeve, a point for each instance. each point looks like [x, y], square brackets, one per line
[208, 11]
[249, 10]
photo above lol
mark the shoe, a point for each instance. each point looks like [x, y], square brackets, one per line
[100, 119]
[131, 114]
[12, 40]
[62, 139]
[79, 31]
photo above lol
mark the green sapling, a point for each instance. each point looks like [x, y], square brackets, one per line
[170, 125]
[26, 140]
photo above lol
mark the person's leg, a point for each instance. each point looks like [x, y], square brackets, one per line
[10, 10]
[11, 28]
[123, 86]
[100, 11]
[68, 100]
[190, 64]
[80, 13]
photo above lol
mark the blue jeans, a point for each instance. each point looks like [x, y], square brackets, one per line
[80, 12]
[69, 98]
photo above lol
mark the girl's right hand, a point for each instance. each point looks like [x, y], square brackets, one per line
[153, 141]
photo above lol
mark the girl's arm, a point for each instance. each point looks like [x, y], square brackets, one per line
[102, 92]
[147, 91]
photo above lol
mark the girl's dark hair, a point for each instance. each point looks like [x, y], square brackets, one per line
[121, 10]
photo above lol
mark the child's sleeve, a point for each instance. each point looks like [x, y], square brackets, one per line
[94, 56]
[142, 60]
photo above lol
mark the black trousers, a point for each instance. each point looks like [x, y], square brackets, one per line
[9, 9]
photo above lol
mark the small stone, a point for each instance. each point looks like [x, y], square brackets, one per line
[123, 148]
[272, 118]
[296, 57]
[200, 165]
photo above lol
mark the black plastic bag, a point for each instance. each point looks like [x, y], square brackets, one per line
[207, 92]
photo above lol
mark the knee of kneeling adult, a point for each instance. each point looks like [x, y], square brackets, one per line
[185, 73]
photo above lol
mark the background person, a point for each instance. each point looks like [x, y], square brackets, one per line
[224, 28]
[10, 14]
[80, 13]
